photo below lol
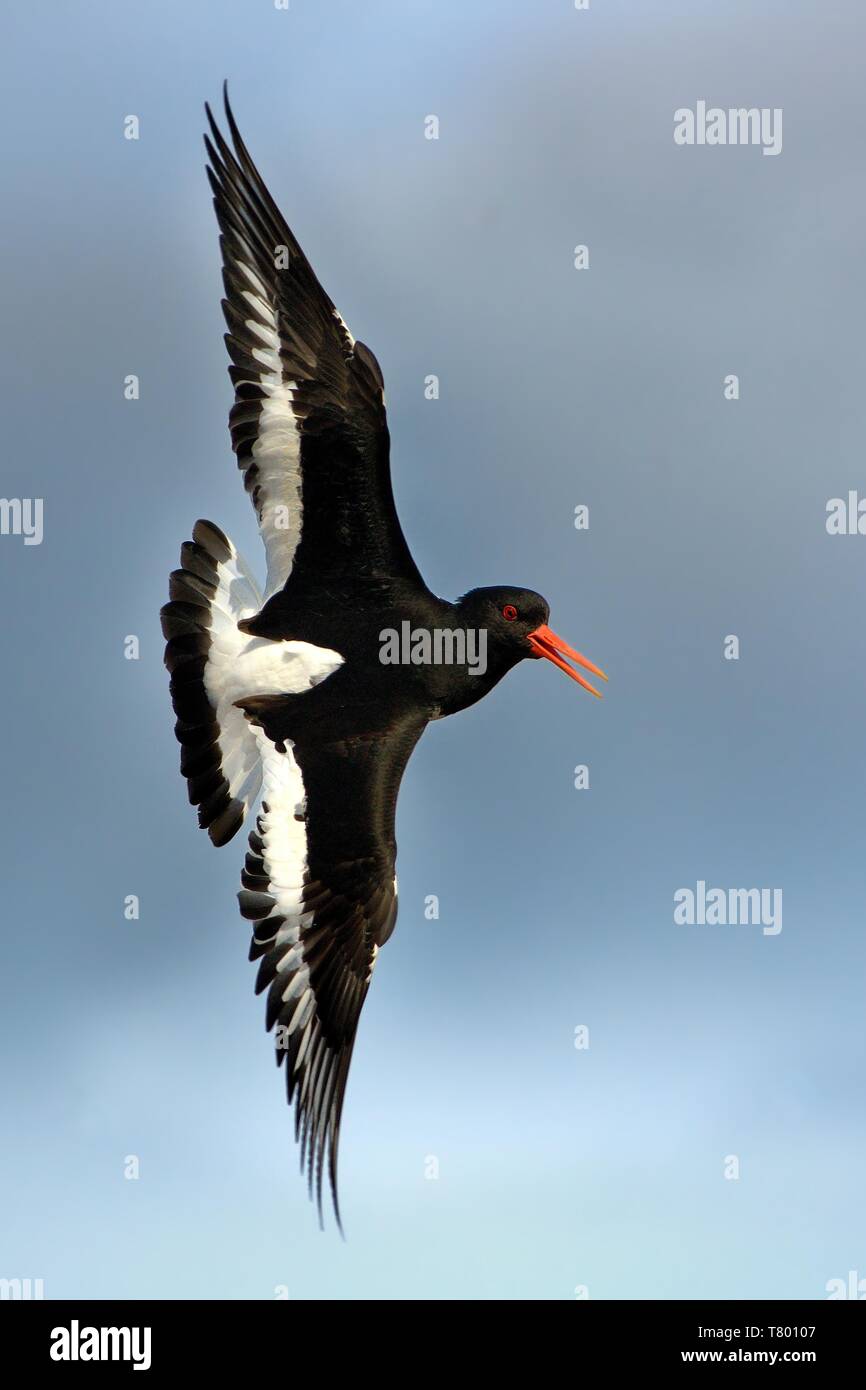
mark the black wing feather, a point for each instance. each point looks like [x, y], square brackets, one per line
[347, 518]
[349, 909]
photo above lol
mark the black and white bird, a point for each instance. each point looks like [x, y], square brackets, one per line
[288, 692]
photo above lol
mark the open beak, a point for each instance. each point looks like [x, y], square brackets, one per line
[545, 643]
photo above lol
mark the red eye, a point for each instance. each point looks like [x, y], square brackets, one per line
[509, 612]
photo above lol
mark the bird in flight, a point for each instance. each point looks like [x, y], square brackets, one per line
[314, 691]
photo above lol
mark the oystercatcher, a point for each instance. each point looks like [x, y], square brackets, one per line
[315, 690]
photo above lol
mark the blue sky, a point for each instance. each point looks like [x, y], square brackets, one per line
[558, 1168]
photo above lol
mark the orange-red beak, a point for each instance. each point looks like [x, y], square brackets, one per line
[545, 643]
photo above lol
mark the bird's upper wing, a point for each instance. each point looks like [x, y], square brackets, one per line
[320, 888]
[308, 425]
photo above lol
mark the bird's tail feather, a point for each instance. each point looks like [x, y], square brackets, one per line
[211, 592]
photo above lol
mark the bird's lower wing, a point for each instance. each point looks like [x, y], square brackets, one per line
[319, 887]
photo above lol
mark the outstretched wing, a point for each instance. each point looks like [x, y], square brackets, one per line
[320, 888]
[308, 424]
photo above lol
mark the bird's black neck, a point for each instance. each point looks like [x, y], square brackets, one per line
[403, 641]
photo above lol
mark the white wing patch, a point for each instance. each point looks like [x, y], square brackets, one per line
[284, 852]
[237, 596]
[277, 450]
[259, 666]
[280, 848]
[240, 667]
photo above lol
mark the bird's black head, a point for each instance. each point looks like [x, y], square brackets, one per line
[515, 621]
[508, 615]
